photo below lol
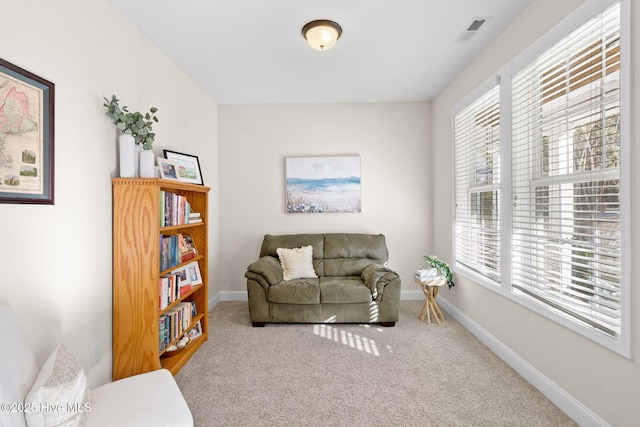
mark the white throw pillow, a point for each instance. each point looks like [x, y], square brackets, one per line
[60, 394]
[297, 263]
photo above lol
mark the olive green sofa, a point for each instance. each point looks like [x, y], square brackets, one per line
[353, 284]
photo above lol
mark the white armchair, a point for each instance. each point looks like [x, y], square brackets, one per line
[58, 394]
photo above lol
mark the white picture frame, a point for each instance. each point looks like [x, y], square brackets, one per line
[168, 169]
[188, 274]
[195, 331]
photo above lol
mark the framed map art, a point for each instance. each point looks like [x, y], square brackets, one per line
[26, 137]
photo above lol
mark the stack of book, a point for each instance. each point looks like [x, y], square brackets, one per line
[427, 274]
[194, 217]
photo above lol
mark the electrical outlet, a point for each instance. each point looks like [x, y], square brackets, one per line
[96, 352]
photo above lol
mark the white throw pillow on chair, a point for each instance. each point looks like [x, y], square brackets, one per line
[60, 394]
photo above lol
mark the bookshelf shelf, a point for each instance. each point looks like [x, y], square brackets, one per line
[137, 254]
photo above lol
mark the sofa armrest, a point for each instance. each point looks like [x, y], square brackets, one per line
[376, 277]
[267, 269]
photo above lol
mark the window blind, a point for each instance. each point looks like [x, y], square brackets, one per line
[565, 162]
[477, 182]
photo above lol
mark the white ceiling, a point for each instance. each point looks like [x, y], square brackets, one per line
[253, 52]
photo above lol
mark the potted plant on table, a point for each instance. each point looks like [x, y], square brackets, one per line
[135, 128]
[442, 267]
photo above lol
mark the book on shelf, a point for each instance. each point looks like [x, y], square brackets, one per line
[174, 209]
[175, 285]
[169, 290]
[185, 289]
[169, 252]
[164, 334]
[176, 249]
[174, 323]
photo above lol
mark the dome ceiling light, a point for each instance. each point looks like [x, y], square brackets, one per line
[322, 34]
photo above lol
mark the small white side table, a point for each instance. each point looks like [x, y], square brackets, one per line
[430, 290]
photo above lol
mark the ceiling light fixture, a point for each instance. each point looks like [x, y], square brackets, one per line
[322, 34]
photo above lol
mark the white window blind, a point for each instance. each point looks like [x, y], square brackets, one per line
[477, 182]
[565, 161]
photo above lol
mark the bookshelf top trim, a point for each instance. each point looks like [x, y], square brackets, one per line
[162, 183]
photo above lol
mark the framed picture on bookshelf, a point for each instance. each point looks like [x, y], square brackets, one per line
[188, 166]
[168, 169]
[26, 136]
[193, 271]
[196, 331]
[189, 274]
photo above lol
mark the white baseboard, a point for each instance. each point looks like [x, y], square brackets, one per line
[563, 400]
[227, 296]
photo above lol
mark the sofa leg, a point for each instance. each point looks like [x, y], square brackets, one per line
[388, 324]
[258, 324]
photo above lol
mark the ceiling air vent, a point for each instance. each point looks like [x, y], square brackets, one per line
[472, 29]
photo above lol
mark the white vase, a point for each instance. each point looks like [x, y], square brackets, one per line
[138, 150]
[127, 147]
[147, 164]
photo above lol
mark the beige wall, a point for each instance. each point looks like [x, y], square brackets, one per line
[393, 141]
[56, 260]
[603, 381]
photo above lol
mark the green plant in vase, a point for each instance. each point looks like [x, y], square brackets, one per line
[442, 267]
[138, 125]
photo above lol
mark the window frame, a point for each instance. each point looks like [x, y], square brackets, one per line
[473, 97]
[582, 14]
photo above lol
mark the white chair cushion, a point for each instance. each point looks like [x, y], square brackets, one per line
[152, 399]
[18, 367]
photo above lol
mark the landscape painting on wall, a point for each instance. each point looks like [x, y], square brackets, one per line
[323, 184]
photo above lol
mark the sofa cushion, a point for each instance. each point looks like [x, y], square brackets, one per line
[348, 254]
[296, 262]
[298, 291]
[270, 244]
[344, 290]
[18, 366]
[61, 384]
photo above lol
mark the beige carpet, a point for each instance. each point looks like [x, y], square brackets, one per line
[355, 375]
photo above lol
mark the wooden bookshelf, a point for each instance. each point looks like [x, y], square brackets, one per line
[136, 274]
